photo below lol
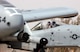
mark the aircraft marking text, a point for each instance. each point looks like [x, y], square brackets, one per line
[3, 19]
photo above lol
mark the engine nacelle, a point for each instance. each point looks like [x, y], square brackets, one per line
[23, 37]
[39, 40]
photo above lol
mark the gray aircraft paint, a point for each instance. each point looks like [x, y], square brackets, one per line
[13, 22]
[58, 12]
[65, 35]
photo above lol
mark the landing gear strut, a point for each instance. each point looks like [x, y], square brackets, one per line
[39, 48]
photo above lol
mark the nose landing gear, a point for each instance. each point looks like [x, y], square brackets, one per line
[40, 48]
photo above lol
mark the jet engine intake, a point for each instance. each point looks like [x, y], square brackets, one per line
[23, 37]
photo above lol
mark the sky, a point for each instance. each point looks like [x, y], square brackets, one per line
[40, 4]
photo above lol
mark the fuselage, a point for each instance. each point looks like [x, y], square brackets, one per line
[65, 35]
[11, 21]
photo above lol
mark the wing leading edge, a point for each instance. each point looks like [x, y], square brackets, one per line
[59, 12]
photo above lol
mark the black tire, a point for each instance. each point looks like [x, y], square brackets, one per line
[42, 50]
[35, 50]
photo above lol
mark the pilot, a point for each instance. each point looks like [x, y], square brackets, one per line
[54, 24]
[49, 24]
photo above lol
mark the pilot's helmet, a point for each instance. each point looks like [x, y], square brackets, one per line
[53, 22]
[49, 23]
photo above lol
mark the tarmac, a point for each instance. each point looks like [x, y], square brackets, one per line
[3, 48]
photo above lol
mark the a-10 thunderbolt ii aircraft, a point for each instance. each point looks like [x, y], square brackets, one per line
[14, 27]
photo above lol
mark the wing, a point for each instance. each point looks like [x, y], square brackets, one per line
[36, 15]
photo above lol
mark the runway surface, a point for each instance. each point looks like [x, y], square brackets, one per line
[3, 48]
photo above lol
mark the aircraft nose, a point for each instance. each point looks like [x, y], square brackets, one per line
[16, 22]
